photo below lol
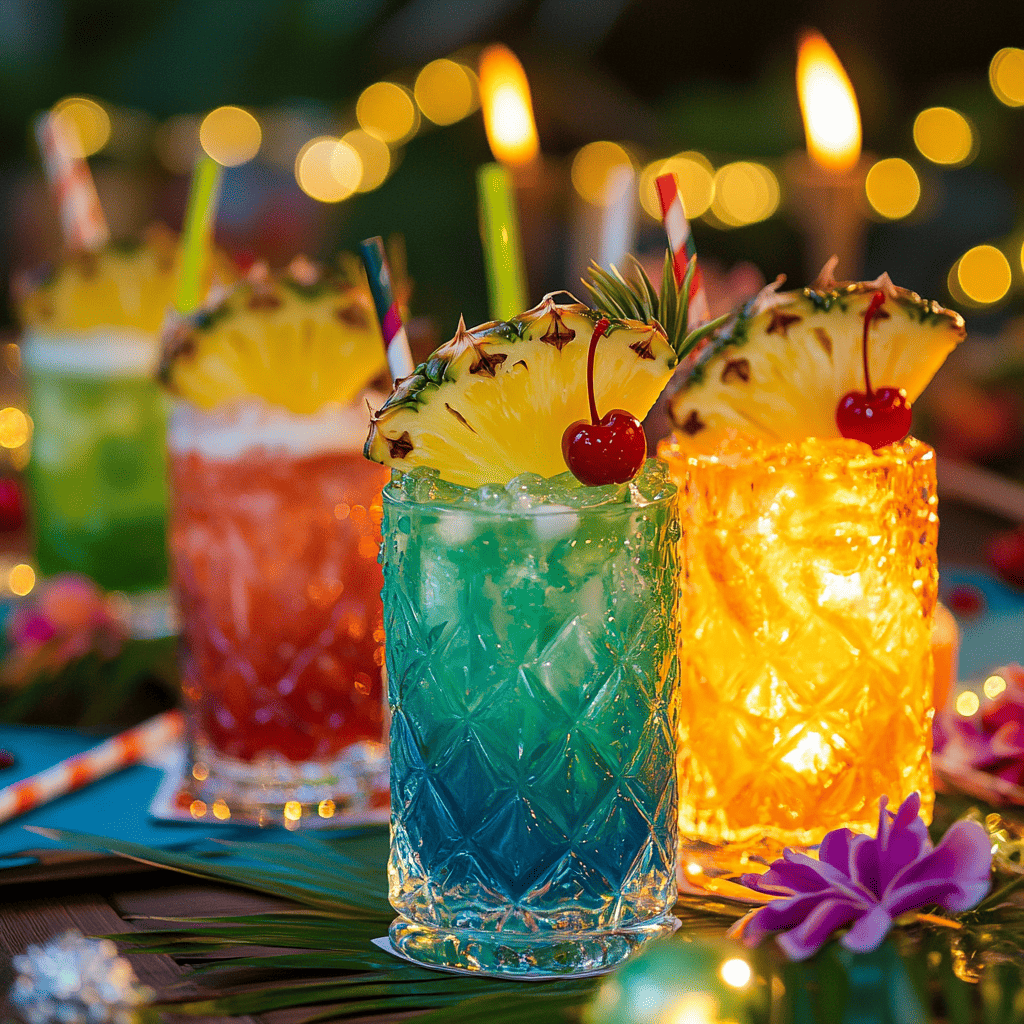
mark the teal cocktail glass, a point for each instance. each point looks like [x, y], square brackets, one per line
[531, 677]
[98, 470]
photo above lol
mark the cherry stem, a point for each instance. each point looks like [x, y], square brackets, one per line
[601, 326]
[876, 300]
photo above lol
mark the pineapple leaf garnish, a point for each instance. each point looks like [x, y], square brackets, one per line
[618, 297]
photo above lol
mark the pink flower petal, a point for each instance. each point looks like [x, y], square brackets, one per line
[807, 938]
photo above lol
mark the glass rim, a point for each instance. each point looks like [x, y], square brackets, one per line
[527, 514]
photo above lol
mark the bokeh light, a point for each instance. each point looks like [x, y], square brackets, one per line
[326, 809]
[736, 973]
[596, 172]
[387, 110]
[744, 193]
[328, 169]
[1022, 256]
[231, 135]
[87, 119]
[374, 157]
[694, 175]
[445, 91]
[984, 274]
[944, 135]
[994, 686]
[508, 109]
[1006, 76]
[15, 427]
[893, 188]
[292, 810]
[21, 579]
[967, 703]
[221, 811]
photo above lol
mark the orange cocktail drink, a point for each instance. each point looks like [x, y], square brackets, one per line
[806, 612]
[809, 544]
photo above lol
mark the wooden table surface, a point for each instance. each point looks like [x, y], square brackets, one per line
[105, 895]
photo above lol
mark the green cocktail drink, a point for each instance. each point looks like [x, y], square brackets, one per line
[98, 470]
[532, 670]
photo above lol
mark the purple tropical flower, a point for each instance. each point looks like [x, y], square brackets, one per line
[867, 882]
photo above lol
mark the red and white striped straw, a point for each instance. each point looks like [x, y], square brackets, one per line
[85, 227]
[120, 751]
[680, 242]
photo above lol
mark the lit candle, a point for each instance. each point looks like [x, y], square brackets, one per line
[512, 135]
[827, 183]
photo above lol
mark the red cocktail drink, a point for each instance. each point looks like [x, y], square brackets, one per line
[274, 534]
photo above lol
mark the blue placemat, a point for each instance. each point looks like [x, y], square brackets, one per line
[115, 806]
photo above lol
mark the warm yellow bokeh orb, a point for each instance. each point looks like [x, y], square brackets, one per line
[745, 193]
[374, 156]
[984, 274]
[21, 579]
[944, 135]
[292, 810]
[231, 135]
[327, 169]
[893, 188]
[1006, 76]
[736, 973]
[87, 119]
[694, 175]
[15, 427]
[601, 172]
[994, 686]
[446, 91]
[967, 703]
[387, 110]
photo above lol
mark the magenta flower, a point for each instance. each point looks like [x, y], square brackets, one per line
[992, 740]
[867, 882]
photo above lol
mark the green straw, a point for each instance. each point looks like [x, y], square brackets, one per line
[503, 253]
[198, 230]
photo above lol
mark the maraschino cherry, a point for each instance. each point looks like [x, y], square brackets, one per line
[877, 417]
[610, 449]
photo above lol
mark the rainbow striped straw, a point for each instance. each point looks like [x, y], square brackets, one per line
[120, 751]
[680, 242]
[396, 341]
[81, 216]
[197, 233]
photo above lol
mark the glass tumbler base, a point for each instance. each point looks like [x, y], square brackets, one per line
[699, 859]
[273, 791]
[524, 956]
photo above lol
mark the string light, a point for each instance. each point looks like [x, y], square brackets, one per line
[594, 172]
[324, 173]
[893, 188]
[21, 579]
[994, 686]
[944, 136]
[387, 110]
[745, 193]
[967, 703]
[374, 157]
[984, 274]
[87, 119]
[446, 91]
[15, 428]
[231, 135]
[696, 178]
[1006, 76]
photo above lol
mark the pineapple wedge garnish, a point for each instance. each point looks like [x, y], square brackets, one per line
[300, 340]
[780, 366]
[123, 285]
[493, 402]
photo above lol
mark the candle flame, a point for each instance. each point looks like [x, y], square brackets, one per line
[508, 112]
[828, 104]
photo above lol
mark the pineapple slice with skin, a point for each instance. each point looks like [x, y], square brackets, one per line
[779, 368]
[493, 402]
[300, 340]
[126, 285]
